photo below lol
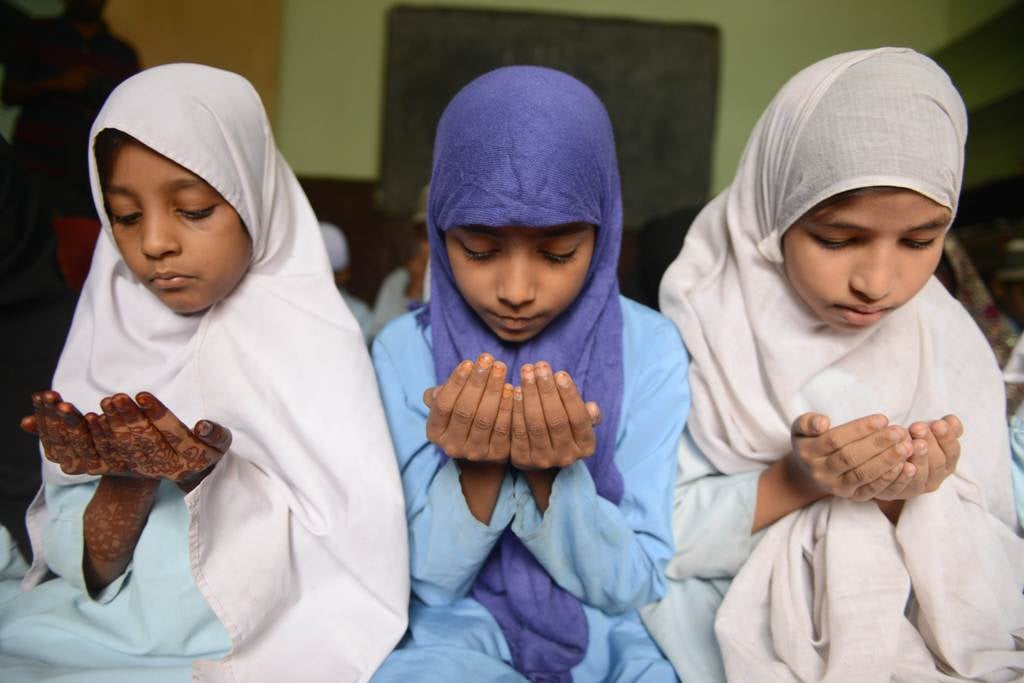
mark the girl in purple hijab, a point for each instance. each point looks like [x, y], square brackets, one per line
[535, 412]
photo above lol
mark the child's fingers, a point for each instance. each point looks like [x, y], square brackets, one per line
[899, 488]
[937, 461]
[429, 394]
[37, 413]
[918, 430]
[876, 466]
[581, 420]
[79, 439]
[837, 438]
[922, 466]
[850, 457]
[444, 401]
[951, 442]
[809, 425]
[139, 442]
[478, 444]
[519, 449]
[555, 416]
[594, 410]
[536, 425]
[55, 443]
[40, 423]
[955, 425]
[193, 454]
[100, 440]
[213, 435]
[29, 424]
[466, 405]
[882, 483]
[947, 432]
[501, 443]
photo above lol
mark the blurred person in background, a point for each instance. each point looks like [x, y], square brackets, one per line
[337, 251]
[405, 287]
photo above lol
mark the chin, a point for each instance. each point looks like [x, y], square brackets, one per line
[185, 307]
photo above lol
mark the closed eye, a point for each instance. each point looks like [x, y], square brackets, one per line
[197, 215]
[560, 258]
[125, 219]
[920, 244]
[478, 255]
[831, 244]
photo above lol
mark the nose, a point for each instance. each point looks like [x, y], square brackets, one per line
[873, 277]
[516, 285]
[159, 238]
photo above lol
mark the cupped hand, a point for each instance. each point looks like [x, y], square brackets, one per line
[471, 413]
[128, 439]
[551, 425]
[856, 460]
[930, 466]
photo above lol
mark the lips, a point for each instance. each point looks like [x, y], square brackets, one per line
[516, 323]
[169, 280]
[860, 316]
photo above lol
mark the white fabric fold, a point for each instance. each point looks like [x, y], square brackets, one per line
[823, 596]
[297, 538]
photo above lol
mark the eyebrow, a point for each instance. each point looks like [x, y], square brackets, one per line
[570, 229]
[937, 222]
[172, 186]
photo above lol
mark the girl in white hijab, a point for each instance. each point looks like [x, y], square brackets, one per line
[285, 561]
[836, 388]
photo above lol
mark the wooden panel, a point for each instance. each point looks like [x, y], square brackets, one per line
[243, 36]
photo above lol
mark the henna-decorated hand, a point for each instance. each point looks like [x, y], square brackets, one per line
[125, 440]
[65, 439]
[551, 425]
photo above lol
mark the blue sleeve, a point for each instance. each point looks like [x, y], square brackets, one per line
[64, 540]
[711, 518]
[1017, 466]
[447, 545]
[613, 557]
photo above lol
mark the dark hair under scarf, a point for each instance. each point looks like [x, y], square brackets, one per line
[530, 146]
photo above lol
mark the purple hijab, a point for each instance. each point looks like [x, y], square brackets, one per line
[532, 146]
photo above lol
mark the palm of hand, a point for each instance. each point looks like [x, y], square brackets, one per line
[870, 459]
[141, 440]
[541, 424]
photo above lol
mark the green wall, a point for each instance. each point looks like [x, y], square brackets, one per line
[330, 97]
[330, 78]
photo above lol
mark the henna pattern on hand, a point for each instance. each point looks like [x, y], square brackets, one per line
[138, 446]
[143, 440]
[112, 525]
[116, 515]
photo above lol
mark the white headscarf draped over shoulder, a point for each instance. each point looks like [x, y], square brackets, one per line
[297, 537]
[824, 593]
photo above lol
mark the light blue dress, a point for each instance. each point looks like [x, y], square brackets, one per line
[610, 557]
[361, 312]
[1017, 447]
[146, 626]
[712, 518]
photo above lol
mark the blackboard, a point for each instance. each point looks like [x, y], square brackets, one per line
[658, 81]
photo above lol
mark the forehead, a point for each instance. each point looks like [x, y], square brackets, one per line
[880, 210]
[135, 165]
[525, 232]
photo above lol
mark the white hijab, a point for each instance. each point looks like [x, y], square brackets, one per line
[298, 536]
[823, 595]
